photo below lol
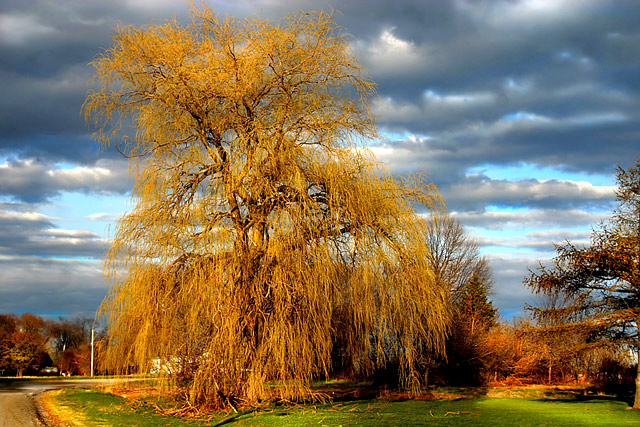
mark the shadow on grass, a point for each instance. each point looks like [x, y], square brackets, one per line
[228, 420]
[345, 391]
[585, 395]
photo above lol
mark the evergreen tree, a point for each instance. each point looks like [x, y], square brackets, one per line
[474, 308]
[467, 349]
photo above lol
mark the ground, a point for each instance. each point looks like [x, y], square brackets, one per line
[20, 403]
[355, 405]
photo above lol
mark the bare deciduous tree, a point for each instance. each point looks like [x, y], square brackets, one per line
[453, 255]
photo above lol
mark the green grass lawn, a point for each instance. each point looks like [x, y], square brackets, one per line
[556, 409]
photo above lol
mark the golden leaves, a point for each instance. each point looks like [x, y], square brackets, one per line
[263, 240]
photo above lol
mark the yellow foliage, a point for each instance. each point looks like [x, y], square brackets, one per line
[262, 229]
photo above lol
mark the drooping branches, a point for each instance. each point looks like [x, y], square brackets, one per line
[260, 226]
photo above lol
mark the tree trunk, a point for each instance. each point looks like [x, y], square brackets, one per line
[636, 401]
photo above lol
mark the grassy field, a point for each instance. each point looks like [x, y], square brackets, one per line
[495, 407]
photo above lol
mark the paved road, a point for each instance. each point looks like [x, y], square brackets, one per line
[18, 402]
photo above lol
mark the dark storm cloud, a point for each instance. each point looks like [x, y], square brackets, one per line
[464, 43]
[509, 292]
[418, 19]
[45, 49]
[449, 70]
[45, 52]
[461, 83]
[51, 286]
[555, 83]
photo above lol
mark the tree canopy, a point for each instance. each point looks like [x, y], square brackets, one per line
[453, 255]
[599, 285]
[263, 232]
[23, 342]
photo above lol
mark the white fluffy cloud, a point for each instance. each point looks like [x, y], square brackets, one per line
[30, 233]
[536, 241]
[35, 180]
[568, 218]
[478, 191]
[16, 30]
[389, 55]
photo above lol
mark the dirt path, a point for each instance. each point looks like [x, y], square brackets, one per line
[19, 409]
[18, 400]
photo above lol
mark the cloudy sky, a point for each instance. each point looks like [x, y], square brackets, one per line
[519, 111]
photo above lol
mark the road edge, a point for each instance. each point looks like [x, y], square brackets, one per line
[42, 414]
[46, 411]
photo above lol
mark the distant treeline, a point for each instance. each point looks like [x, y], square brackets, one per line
[31, 345]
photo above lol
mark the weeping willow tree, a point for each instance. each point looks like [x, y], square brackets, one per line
[264, 237]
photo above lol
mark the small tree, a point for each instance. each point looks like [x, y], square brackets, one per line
[69, 333]
[28, 350]
[259, 220]
[474, 307]
[559, 346]
[455, 260]
[71, 344]
[602, 281]
[510, 356]
[467, 349]
[8, 326]
[453, 255]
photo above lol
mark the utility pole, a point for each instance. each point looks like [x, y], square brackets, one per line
[91, 350]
